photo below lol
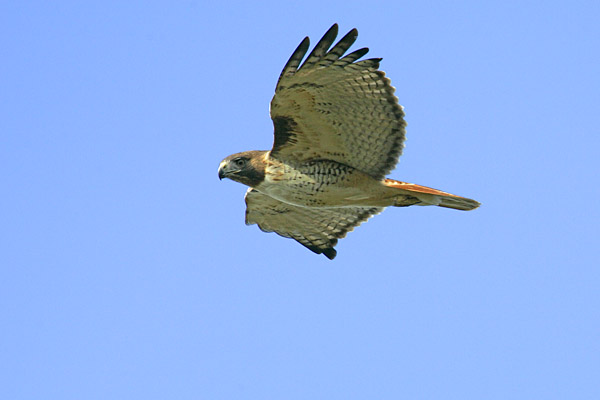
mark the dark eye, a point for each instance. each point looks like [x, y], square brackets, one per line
[239, 162]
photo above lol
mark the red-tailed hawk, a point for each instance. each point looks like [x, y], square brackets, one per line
[338, 132]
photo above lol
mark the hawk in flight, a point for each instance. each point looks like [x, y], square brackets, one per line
[338, 132]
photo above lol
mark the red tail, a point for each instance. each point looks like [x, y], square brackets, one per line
[432, 196]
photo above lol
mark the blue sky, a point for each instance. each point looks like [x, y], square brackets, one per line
[128, 271]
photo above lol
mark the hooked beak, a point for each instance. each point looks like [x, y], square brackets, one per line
[223, 172]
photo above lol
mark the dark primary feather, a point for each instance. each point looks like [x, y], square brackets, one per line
[321, 47]
[340, 48]
[350, 58]
[292, 65]
[319, 55]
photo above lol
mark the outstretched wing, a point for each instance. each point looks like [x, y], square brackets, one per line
[318, 229]
[337, 108]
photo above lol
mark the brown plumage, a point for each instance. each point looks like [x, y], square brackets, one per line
[338, 131]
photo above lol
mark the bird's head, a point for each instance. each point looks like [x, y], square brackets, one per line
[247, 167]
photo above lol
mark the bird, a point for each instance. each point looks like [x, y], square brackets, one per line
[338, 131]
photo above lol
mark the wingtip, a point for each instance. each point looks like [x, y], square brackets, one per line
[350, 36]
[333, 31]
[330, 253]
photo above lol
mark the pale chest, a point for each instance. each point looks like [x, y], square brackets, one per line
[314, 184]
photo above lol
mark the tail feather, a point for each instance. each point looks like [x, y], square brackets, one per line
[430, 196]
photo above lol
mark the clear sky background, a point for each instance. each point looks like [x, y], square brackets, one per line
[127, 270]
